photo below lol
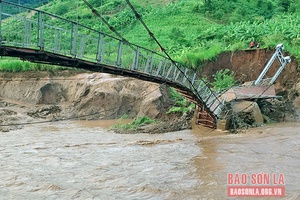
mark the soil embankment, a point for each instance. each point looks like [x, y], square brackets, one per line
[248, 64]
[35, 96]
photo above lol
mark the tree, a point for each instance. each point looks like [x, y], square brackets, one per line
[208, 5]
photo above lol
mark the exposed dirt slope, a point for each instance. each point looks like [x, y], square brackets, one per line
[248, 64]
[92, 96]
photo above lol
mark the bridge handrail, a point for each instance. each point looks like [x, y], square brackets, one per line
[75, 42]
[73, 22]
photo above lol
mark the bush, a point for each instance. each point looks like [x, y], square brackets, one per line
[61, 9]
[181, 104]
[125, 116]
[122, 19]
[141, 121]
[224, 79]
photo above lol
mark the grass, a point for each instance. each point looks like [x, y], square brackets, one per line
[189, 35]
[138, 122]
[125, 116]
[15, 65]
[195, 57]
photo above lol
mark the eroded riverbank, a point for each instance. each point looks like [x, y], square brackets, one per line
[29, 97]
[74, 160]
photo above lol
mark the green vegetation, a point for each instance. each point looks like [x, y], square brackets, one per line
[28, 3]
[194, 31]
[181, 104]
[223, 80]
[191, 31]
[267, 119]
[138, 122]
[125, 116]
[250, 10]
[14, 65]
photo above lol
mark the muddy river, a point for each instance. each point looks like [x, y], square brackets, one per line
[82, 160]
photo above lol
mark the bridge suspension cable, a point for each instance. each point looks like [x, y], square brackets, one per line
[97, 14]
[202, 102]
[138, 16]
[151, 34]
[69, 45]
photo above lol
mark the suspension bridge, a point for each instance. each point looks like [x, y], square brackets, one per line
[41, 37]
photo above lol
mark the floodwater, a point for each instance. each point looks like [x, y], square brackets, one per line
[82, 160]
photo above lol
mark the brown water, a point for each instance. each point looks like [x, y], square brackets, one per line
[81, 160]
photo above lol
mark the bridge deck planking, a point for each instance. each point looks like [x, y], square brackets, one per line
[38, 56]
[204, 116]
[71, 44]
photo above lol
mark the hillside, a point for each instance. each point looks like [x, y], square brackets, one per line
[30, 3]
[207, 36]
[191, 31]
